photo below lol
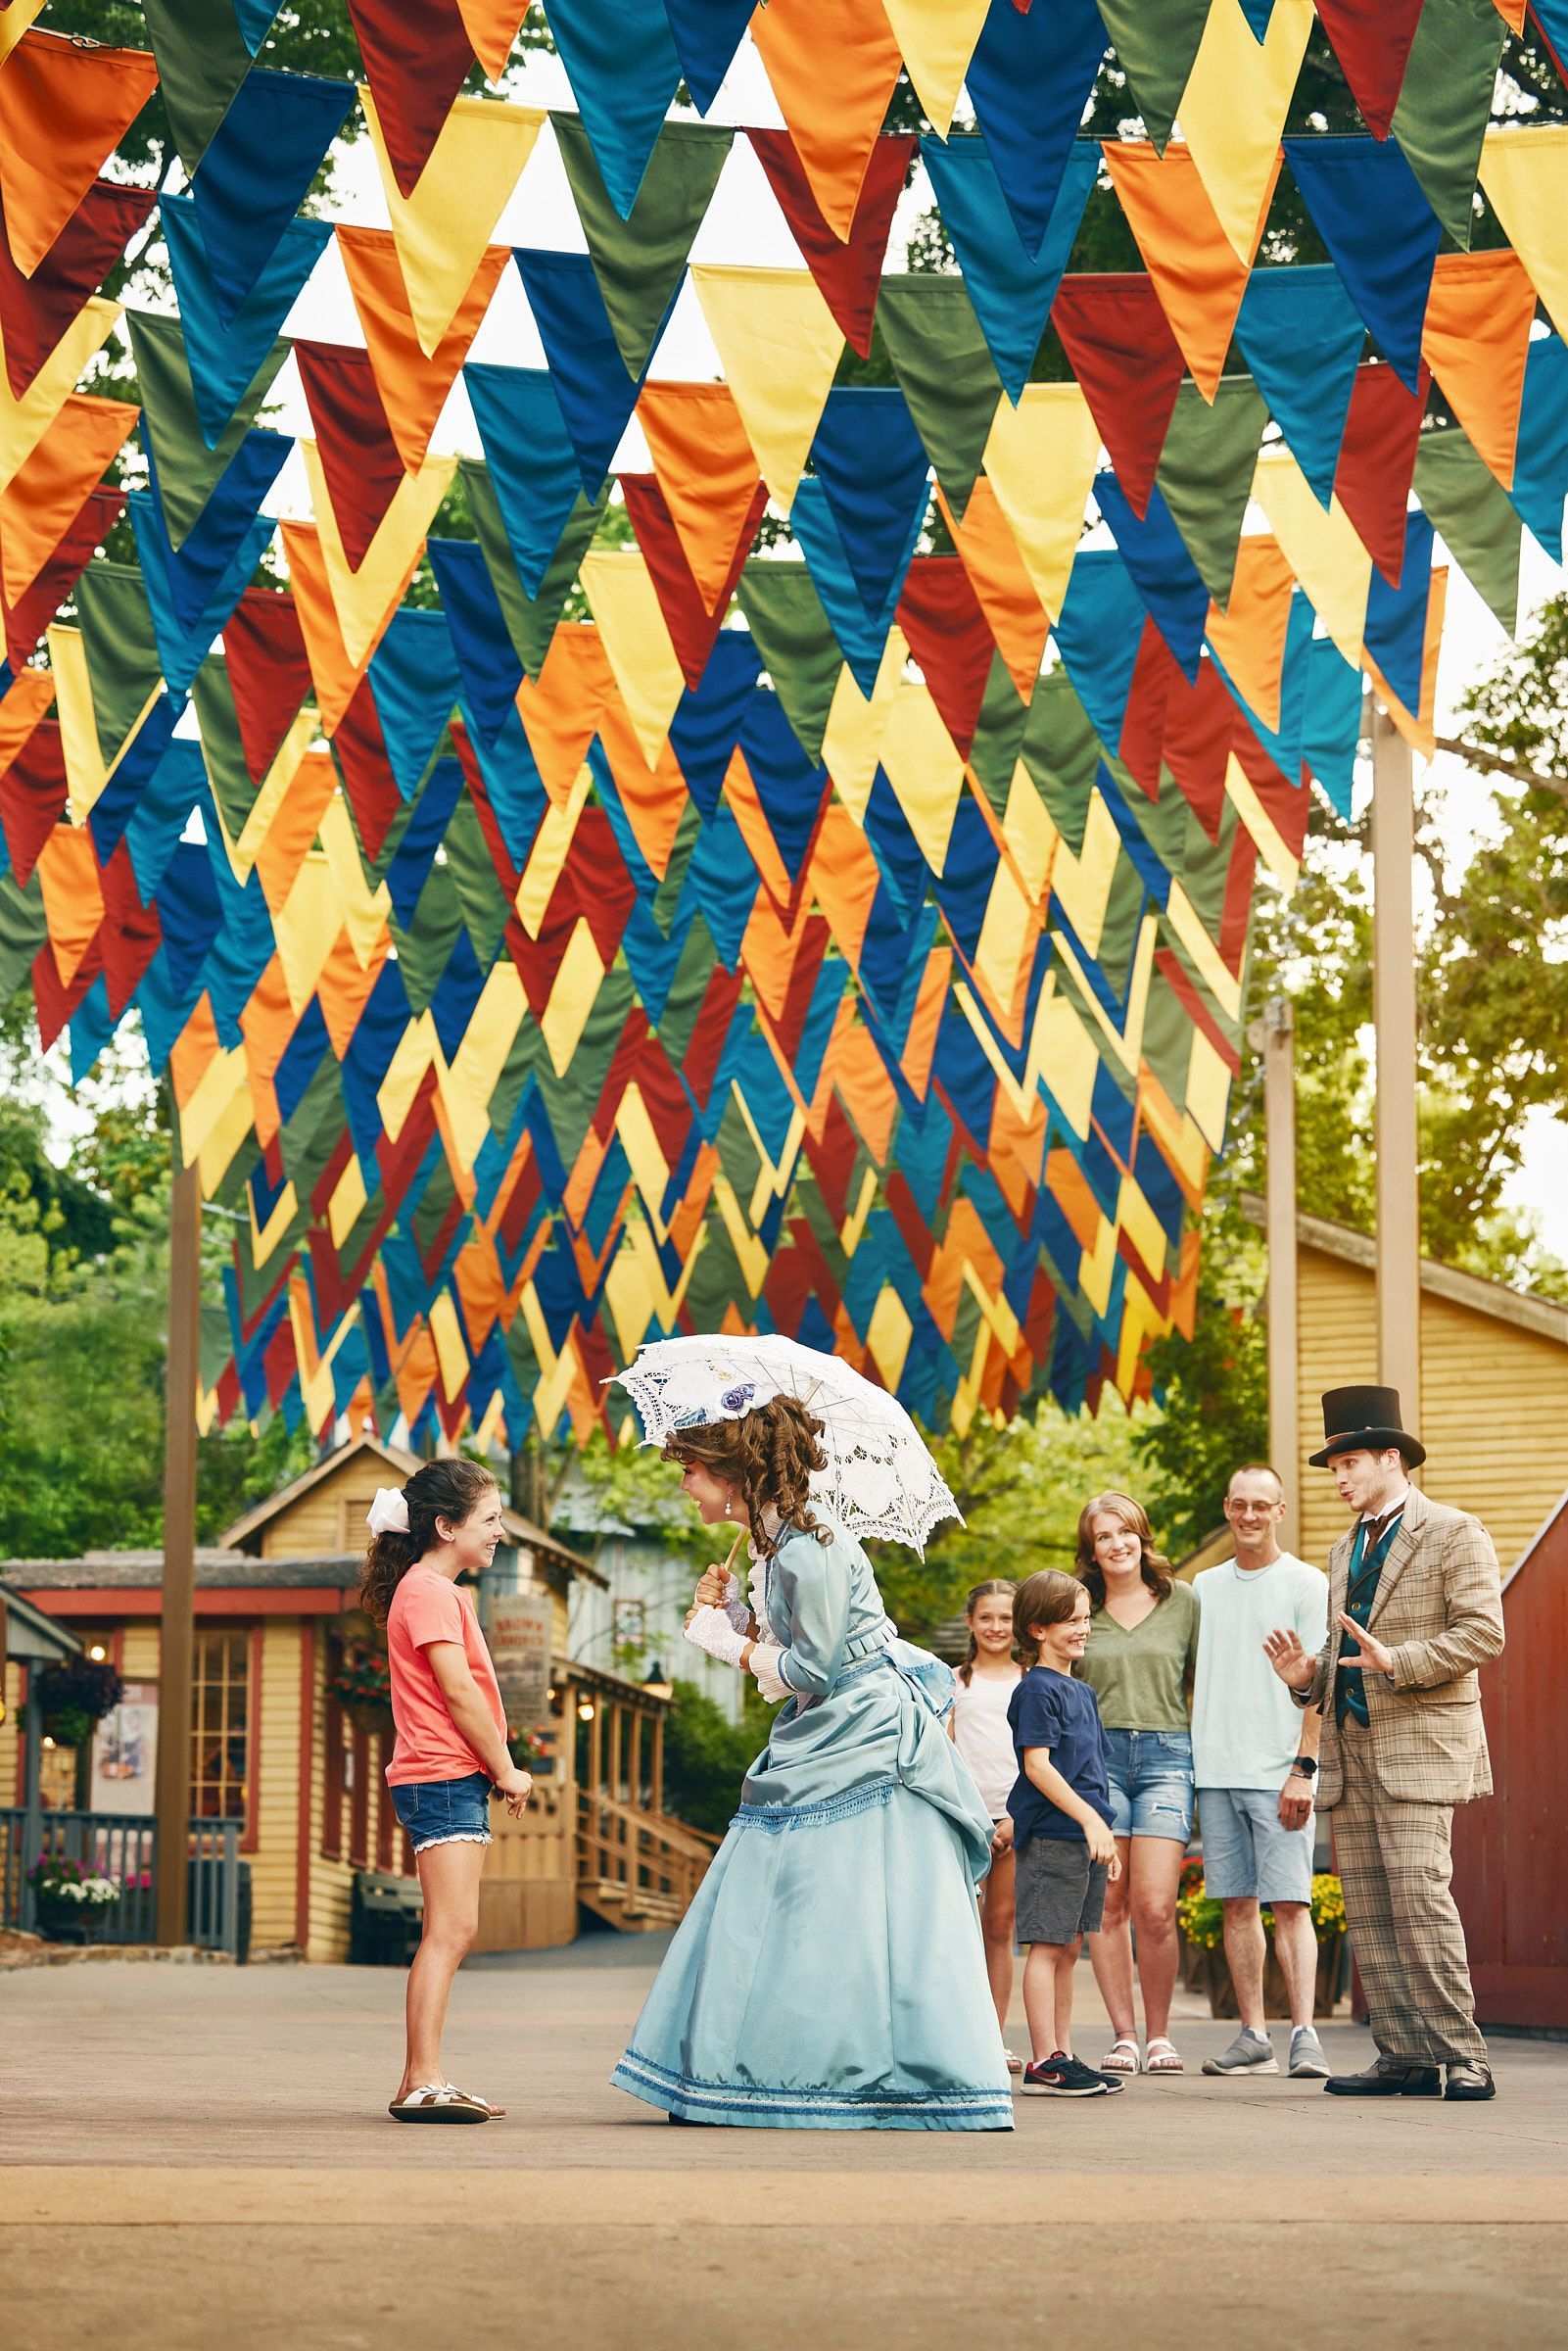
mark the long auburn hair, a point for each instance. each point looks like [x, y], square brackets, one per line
[993, 1584]
[1158, 1572]
[767, 1456]
[452, 1489]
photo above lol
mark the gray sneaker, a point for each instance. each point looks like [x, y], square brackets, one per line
[1306, 2059]
[1249, 2053]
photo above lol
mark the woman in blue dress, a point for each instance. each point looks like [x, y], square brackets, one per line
[831, 1974]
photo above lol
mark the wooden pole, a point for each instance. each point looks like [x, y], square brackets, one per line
[175, 1625]
[1394, 1005]
[1275, 1036]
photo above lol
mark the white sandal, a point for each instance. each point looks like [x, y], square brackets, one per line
[437, 2102]
[1169, 2062]
[1114, 2063]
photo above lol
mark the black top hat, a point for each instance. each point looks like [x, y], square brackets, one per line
[1364, 1420]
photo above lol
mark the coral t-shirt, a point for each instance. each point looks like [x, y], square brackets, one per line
[425, 1607]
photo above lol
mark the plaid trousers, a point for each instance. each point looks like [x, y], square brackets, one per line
[1395, 1865]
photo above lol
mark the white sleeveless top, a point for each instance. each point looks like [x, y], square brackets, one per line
[982, 1738]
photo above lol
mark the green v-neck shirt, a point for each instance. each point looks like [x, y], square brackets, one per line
[1139, 1679]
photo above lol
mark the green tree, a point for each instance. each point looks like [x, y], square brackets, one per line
[706, 1755]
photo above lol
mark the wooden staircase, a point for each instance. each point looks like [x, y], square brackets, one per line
[637, 1870]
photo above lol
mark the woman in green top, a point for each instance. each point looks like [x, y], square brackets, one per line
[1143, 1646]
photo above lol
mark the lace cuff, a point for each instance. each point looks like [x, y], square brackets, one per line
[711, 1631]
[765, 1658]
[736, 1605]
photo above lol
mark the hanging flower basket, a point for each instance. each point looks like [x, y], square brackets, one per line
[362, 1688]
[74, 1696]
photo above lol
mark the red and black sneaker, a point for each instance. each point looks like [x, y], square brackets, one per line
[1063, 2076]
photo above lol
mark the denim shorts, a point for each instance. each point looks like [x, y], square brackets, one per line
[1248, 1852]
[445, 1811]
[1150, 1783]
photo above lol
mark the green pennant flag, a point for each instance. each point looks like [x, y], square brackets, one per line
[1206, 473]
[640, 262]
[687, 992]
[998, 735]
[795, 639]
[24, 931]
[1061, 753]
[424, 950]
[485, 908]
[945, 371]
[1445, 104]
[1154, 48]
[202, 60]
[1473, 513]
[188, 471]
[531, 620]
[222, 753]
[667, 901]
[1166, 1043]
[123, 662]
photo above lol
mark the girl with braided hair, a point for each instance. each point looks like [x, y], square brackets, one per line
[831, 1974]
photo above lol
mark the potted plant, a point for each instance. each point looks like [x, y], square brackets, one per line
[362, 1688]
[1201, 1921]
[75, 1695]
[1193, 1957]
[531, 1751]
[69, 1902]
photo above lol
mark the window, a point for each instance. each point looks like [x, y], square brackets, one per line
[221, 1725]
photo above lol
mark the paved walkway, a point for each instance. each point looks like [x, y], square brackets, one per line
[200, 2158]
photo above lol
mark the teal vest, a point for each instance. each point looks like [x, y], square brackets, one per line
[1365, 1574]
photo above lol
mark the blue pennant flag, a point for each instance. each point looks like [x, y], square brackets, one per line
[211, 544]
[1097, 633]
[861, 638]
[624, 71]
[1541, 462]
[175, 787]
[532, 464]
[708, 34]
[589, 375]
[722, 884]
[1382, 235]
[1012, 293]
[789, 788]
[1396, 617]
[1258, 13]
[1030, 79]
[1301, 336]
[1159, 568]
[708, 718]
[511, 781]
[262, 158]
[184, 644]
[224, 354]
[486, 655]
[116, 803]
[255, 21]
[874, 471]
[414, 683]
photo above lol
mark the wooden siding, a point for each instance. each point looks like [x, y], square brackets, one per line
[1493, 1405]
[15, 1677]
[275, 1762]
[528, 1894]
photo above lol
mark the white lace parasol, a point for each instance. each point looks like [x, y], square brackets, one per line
[880, 1478]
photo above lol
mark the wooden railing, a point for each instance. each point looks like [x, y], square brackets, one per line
[645, 1865]
[124, 1846]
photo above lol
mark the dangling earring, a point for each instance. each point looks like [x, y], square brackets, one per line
[728, 1502]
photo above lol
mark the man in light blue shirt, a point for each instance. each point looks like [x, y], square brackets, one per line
[1254, 1762]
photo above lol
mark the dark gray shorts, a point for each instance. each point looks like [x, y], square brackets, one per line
[1061, 1891]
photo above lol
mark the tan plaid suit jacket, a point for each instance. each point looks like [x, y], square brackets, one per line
[1439, 1609]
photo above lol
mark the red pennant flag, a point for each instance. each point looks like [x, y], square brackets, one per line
[1200, 725]
[693, 627]
[1371, 38]
[950, 639]
[1377, 461]
[34, 792]
[1143, 728]
[847, 274]
[53, 1003]
[1285, 803]
[361, 749]
[417, 56]
[36, 311]
[30, 617]
[268, 673]
[1124, 353]
[130, 934]
[353, 440]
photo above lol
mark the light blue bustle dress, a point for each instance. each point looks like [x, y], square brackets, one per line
[831, 1974]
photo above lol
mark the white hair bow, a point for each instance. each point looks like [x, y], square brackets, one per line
[388, 1514]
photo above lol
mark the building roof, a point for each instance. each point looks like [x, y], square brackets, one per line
[216, 1570]
[31, 1637]
[1544, 1316]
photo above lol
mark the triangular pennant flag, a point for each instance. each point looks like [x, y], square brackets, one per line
[1122, 352]
[1445, 104]
[950, 637]
[1480, 528]
[36, 311]
[493, 26]
[779, 348]
[334, 675]
[1525, 175]
[937, 39]
[15, 20]
[632, 627]
[639, 260]
[23, 422]
[1248, 639]
[1475, 338]
[989, 553]
[413, 388]
[413, 678]
[1382, 235]
[1040, 460]
[1159, 568]
[623, 72]
[862, 635]
[592, 388]
[1198, 274]
[29, 613]
[364, 594]
[1205, 474]
[1540, 468]
[188, 471]
[1396, 617]
[1377, 459]
[873, 467]
[184, 643]
[268, 673]
[945, 371]
[353, 440]
[692, 619]
[263, 159]
[707, 472]
[1029, 81]
[847, 269]
[1301, 336]
[443, 227]
[795, 639]
[1156, 52]
[1372, 45]
[63, 110]
[833, 118]
[1097, 633]
[198, 567]
[533, 465]
[203, 57]
[1234, 106]
[416, 59]
[708, 34]
[255, 21]
[224, 358]
[1321, 550]
[1012, 293]
[46, 493]
[531, 619]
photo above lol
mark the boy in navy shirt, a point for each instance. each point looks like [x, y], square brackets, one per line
[1061, 1807]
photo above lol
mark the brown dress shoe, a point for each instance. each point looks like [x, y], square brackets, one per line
[1390, 2078]
[1470, 2082]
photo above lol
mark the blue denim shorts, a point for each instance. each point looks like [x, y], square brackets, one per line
[445, 1811]
[1247, 1853]
[1150, 1783]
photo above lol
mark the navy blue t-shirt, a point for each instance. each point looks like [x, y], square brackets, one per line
[1051, 1709]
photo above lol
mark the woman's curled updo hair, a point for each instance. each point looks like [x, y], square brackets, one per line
[452, 1489]
[768, 1456]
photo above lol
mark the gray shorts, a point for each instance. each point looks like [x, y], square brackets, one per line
[1246, 1850]
[1061, 1891]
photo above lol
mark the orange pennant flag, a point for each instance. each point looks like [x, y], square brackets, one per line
[1249, 639]
[833, 64]
[707, 471]
[1476, 339]
[63, 110]
[492, 26]
[332, 673]
[561, 708]
[27, 700]
[413, 389]
[1197, 273]
[43, 500]
[1017, 618]
[67, 872]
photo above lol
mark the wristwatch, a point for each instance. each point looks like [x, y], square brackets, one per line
[1305, 1767]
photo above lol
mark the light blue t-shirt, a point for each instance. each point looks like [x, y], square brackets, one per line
[1246, 1726]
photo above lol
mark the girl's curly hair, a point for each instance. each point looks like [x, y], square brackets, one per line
[1158, 1572]
[452, 1489]
[767, 1457]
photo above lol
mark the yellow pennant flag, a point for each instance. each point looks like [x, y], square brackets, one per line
[442, 228]
[780, 346]
[15, 22]
[1234, 108]
[1525, 177]
[937, 39]
[23, 422]
[1321, 550]
[364, 594]
[637, 641]
[924, 770]
[852, 739]
[1041, 459]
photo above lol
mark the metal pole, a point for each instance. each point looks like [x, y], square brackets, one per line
[1394, 1005]
[175, 1627]
[1275, 1036]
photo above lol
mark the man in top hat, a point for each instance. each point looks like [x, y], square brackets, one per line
[1414, 1608]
